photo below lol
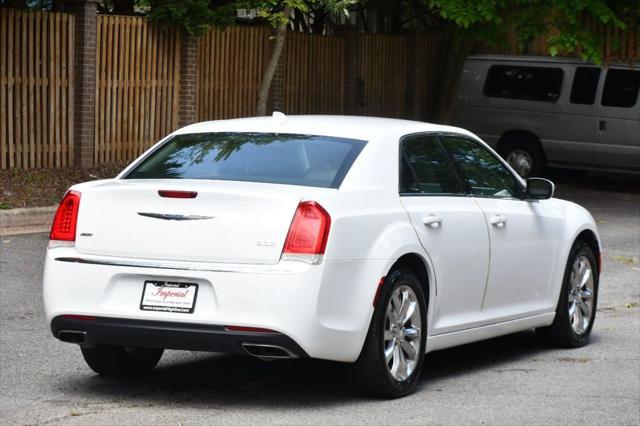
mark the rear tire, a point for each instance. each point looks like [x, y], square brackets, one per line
[119, 361]
[523, 154]
[395, 375]
[576, 310]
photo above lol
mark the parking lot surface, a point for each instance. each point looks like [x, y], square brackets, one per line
[509, 380]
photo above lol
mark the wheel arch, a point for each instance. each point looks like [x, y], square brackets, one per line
[590, 238]
[417, 264]
[421, 265]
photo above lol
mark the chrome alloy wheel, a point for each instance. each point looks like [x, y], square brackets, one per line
[521, 161]
[581, 295]
[402, 328]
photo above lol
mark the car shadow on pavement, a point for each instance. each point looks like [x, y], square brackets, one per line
[206, 380]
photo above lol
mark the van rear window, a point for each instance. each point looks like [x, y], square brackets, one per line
[307, 160]
[525, 83]
[621, 88]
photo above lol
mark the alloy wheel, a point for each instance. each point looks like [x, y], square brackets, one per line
[402, 331]
[581, 295]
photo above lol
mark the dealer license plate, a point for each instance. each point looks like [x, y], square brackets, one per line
[169, 296]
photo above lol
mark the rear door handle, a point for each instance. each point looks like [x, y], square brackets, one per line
[498, 220]
[432, 220]
[602, 126]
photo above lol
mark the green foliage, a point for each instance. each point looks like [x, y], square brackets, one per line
[192, 17]
[487, 20]
[195, 17]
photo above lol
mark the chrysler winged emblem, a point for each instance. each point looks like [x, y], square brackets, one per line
[174, 216]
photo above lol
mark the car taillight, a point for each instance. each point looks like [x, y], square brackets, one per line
[64, 222]
[307, 237]
[177, 194]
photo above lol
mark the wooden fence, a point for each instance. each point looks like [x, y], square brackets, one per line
[626, 50]
[36, 89]
[431, 54]
[382, 75]
[313, 74]
[230, 66]
[137, 86]
[138, 80]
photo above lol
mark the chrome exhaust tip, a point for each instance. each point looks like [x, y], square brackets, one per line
[72, 336]
[266, 352]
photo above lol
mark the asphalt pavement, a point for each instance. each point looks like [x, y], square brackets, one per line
[509, 380]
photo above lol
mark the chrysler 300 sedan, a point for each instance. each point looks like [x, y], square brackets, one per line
[368, 241]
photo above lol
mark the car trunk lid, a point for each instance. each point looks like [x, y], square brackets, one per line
[234, 222]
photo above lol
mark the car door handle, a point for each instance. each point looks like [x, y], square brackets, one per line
[602, 126]
[498, 220]
[432, 220]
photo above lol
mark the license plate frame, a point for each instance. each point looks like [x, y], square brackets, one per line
[169, 296]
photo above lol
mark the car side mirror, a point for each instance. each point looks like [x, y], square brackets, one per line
[539, 189]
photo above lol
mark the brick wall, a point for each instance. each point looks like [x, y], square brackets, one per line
[187, 104]
[276, 91]
[352, 93]
[85, 80]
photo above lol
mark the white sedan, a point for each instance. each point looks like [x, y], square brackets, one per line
[368, 241]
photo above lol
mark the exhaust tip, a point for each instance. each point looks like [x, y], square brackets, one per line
[267, 352]
[72, 336]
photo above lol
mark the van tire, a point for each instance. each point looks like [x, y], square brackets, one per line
[523, 153]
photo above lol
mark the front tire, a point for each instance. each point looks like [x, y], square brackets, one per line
[523, 155]
[119, 361]
[391, 360]
[576, 310]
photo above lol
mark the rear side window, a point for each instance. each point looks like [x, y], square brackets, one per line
[585, 84]
[425, 168]
[525, 83]
[621, 88]
[306, 160]
[485, 175]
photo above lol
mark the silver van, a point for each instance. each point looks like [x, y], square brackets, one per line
[542, 111]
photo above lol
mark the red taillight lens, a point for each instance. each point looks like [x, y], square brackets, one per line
[64, 222]
[248, 329]
[309, 230]
[79, 317]
[177, 194]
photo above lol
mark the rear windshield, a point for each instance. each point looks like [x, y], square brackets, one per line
[307, 160]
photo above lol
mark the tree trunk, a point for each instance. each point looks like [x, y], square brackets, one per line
[460, 48]
[267, 78]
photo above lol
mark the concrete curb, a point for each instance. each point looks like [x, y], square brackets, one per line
[22, 221]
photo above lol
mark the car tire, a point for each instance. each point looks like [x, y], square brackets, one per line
[579, 294]
[524, 155]
[373, 372]
[119, 361]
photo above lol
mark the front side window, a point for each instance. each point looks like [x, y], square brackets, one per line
[585, 83]
[425, 168]
[621, 88]
[484, 174]
[307, 160]
[525, 83]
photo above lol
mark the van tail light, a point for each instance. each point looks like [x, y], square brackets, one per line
[308, 233]
[66, 218]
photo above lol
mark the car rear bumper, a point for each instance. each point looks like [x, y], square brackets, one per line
[91, 331]
[324, 309]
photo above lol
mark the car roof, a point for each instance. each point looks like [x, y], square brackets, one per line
[346, 126]
[537, 59]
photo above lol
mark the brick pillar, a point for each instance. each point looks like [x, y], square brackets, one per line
[188, 97]
[86, 16]
[352, 93]
[413, 106]
[276, 91]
